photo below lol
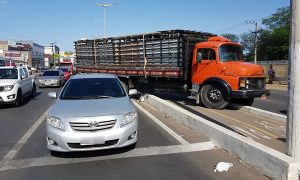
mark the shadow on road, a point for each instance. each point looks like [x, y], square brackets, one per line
[86, 154]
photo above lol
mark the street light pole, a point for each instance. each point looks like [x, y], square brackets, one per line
[104, 5]
[255, 38]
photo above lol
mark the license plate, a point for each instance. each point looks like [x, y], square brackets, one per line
[91, 141]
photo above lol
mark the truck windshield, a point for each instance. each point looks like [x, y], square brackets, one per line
[229, 52]
[8, 74]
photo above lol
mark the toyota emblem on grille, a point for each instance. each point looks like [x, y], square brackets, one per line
[93, 123]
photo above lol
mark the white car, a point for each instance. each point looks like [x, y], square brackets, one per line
[15, 85]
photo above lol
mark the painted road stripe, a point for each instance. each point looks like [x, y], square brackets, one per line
[162, 125]
[246, 124]
[12, 153]
[138, 152]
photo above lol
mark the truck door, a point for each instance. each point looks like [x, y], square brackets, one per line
[205, 65]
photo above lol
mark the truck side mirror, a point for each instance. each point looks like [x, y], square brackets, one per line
[199, 57]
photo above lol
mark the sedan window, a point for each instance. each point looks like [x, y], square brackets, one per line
[92, 88]
[51, 73]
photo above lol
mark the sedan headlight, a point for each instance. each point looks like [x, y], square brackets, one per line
[128, 118]
[8, 87]
[56, 122]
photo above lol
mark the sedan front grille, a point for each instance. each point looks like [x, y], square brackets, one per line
[93, 125]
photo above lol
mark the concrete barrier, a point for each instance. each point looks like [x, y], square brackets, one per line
[266, 160]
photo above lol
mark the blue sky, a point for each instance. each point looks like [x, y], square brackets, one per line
[65, 21]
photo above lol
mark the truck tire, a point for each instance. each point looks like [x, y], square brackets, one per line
[212, 96]
[19, 99]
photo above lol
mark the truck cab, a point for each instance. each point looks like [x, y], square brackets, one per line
[219, 74]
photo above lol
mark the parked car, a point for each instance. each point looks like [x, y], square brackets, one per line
[67, 72]
[92, 112]
[54, 77]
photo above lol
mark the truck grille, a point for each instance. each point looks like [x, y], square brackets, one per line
[93, 125]
[257, 83]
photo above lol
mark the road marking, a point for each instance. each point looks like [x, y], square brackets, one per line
[162, 125]
[138, 152]
[265, 118]
[12, 153]
[245, 124]
[246, 132]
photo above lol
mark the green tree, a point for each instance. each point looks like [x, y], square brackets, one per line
[233, 37]
[273, 42]
[247, 41]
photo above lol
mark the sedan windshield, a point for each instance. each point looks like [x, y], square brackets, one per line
[92, 88]
[230, 52]
[8, 74]
[51, 73]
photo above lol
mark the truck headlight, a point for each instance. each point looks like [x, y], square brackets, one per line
[128, 118]
[56, 122]
[244, 83]
[8, 87]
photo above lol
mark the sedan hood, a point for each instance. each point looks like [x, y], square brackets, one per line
[91, 107]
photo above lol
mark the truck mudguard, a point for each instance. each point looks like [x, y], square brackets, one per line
[226, 87]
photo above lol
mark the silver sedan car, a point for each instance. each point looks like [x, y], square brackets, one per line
[92, 112]
[54, 77]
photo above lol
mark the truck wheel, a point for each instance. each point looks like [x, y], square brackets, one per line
[19, 99]
[212, 96]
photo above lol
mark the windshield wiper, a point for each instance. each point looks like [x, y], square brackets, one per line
[70, 97]
[86, 97]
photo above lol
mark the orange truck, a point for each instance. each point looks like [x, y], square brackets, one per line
[209, 66]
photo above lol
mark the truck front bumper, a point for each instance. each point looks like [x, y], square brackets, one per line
[249, 93]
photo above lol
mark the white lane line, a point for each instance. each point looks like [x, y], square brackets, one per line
[12, 153]
[138, 152]
[162, 125]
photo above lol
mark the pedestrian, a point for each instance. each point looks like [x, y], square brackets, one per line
[271, 74]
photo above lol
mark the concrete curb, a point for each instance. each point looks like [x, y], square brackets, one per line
[266, 160]
[263, 113]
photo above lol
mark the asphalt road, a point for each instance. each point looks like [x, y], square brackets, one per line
[165, 150]
[277, 102]
[260, 129]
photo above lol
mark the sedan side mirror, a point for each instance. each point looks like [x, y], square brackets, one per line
[132, 92]
[52, 95]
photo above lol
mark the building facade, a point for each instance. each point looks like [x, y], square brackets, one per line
[49, 52]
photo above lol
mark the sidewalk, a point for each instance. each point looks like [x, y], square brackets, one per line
[277, 86]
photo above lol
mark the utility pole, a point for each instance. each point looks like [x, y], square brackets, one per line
[53, 49]
[104, 5]
[255, 38]
[293, 117]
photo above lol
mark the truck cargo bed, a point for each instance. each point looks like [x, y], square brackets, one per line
[158, 54]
